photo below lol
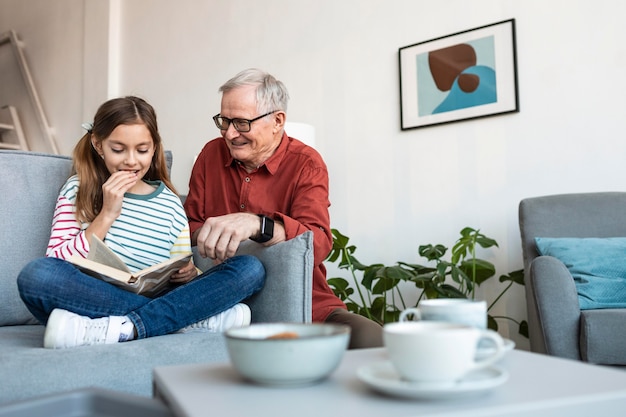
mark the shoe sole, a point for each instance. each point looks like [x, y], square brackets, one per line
[55, 321]
[247, 315]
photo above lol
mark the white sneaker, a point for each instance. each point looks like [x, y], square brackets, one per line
[236, 316]
[66, 329]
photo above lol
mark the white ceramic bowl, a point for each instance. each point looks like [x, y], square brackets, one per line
[311, 356]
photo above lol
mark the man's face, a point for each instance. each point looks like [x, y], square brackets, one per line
[251, 148]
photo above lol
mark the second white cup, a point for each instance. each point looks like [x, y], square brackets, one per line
[454, 310]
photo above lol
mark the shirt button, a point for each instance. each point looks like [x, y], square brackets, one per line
[247, 179]
[243, 206]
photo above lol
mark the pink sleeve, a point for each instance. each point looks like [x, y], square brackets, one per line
[67, 237]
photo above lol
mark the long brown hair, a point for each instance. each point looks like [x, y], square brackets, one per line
[89, 166]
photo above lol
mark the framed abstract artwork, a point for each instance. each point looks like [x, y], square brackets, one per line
[462, 76]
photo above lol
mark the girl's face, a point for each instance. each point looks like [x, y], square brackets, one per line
[128, 148]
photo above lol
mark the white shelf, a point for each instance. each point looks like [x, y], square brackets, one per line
[12, 146]
[10, 41]
[17, 141]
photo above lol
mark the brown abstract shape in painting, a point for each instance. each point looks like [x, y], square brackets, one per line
[446, 64]
[468, 82]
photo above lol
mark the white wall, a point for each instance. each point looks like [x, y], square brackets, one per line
[391, 190]
[67, 48]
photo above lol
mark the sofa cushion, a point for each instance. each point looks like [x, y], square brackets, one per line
[29, 185]
[598, 266]
[599, 340]
[285, 261]
[28, 370]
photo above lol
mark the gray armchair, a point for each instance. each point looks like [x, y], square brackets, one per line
[557, 325]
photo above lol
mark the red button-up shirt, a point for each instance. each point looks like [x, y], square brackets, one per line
[291, 187]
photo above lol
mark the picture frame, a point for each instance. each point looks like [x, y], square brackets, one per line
[463, 76]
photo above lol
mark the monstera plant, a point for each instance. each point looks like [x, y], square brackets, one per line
[378, 295]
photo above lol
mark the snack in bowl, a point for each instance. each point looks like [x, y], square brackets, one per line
[287, 353]
[284, 335]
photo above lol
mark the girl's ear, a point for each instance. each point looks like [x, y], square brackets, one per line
[97, 146]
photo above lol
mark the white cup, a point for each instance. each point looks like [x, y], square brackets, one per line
[453, 310]
[438, 354]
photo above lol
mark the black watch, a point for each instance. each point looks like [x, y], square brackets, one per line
[267, 230]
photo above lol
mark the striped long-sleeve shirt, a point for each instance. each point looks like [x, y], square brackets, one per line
[150, 229]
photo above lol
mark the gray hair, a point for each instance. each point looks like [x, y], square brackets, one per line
[271, 94]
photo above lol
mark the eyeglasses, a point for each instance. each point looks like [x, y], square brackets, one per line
[240, 125]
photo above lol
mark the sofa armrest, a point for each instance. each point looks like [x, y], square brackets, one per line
[556, 301]
[286, 296]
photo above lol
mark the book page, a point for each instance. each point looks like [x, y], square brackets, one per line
[100, 252]
[100, 271]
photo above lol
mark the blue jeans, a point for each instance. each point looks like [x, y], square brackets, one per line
[48, 283]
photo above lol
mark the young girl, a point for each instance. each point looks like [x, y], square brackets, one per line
[121, 192]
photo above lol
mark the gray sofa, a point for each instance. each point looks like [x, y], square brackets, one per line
[557, 325]
[29, 183]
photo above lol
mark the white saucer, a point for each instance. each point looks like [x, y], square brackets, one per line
[382, 377]
[487, 350]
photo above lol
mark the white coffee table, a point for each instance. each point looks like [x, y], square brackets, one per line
[537, 386]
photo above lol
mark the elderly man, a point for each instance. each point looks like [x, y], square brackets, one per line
[255, 182]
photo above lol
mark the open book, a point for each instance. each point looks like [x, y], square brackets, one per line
[103, 263]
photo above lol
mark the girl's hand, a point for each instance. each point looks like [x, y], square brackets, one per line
[113, 192]
[184, 274]
[112, 198]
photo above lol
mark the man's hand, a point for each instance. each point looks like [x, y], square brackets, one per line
[219, 237]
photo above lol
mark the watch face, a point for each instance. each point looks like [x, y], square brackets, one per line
[266, 230]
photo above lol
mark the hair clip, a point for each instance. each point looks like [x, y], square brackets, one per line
[88, 127]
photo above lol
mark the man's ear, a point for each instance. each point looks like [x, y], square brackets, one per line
[279, 120]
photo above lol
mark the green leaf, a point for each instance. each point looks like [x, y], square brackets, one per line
[457, 274]
[378, 309]
[486, 242]
[338, 283]
[442, 268]
[515, 276]
[484, 270]
[392, 316]
[417, 269]
[432, 253]
[398, 273]
[384, 284]
[467, 231]
[448, 291]
[339, 240]
[523, 328]
[423, 277]
[353, 307]
[431, 291]
[369, 276]
[341, 288]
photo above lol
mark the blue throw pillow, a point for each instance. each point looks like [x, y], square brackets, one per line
[598, 266]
